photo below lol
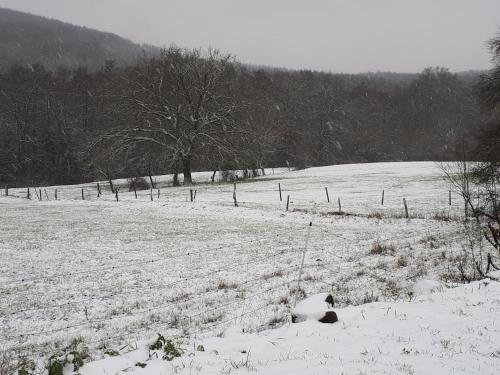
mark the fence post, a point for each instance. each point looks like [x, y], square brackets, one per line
[234, 196]
[135, 189]
[383, 194]
[449, 198]
[116, 194]
[195, 191]
[151, 193]
[279, 187]
[327, 196]
[28, 195]
[40, 196]
[158, 194]
[340, 206]
[287, 201]
[191, 194]
[83, 196]
[6, 190]
[98, 190]
[406, 208]
[308, 235]
[55, 194]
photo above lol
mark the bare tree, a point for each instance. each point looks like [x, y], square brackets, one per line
[477, 182]
[181, 102]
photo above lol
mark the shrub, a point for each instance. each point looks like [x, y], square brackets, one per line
[58, 361]
[171, 351]
[158, 343]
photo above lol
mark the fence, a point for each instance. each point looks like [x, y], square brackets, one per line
[202, 297]
[385, 203]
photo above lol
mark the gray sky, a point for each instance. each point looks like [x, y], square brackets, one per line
[330, 35]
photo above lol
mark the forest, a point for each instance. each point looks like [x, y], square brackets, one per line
[187, 110]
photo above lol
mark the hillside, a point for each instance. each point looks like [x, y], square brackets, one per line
[28, 39]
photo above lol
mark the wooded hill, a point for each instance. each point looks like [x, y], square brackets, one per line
[30, 39]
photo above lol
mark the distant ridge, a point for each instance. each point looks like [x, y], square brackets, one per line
[29, 39]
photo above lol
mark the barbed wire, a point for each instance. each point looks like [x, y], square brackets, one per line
[181, 280]
[142, 262]
[186, 318]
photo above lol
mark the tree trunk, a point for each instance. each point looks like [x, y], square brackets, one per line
[213, 176]
[111, 184]
[151, 178]
[186, 171]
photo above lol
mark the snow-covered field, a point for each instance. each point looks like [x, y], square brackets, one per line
[450, 332]
[107, 274]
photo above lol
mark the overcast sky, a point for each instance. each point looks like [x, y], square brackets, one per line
[330, 35]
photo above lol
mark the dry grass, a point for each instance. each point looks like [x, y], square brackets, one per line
[382, 249]
[226, 285]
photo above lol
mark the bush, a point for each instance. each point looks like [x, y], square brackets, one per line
[171, 351]
[158, 343]
[58, 361]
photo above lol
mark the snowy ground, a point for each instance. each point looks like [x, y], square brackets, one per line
[455, 331]
[106, 274]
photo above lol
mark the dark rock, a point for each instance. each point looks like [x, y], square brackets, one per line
[330, 317]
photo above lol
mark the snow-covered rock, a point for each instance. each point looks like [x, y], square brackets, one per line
[317, 307]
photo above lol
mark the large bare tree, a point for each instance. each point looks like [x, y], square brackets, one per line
[182, 102]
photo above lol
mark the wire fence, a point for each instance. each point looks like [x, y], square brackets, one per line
[206, 307]
[283, 279]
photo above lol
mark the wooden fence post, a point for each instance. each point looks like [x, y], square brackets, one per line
[116, 193]
[98, 190]
[195, 191]
[327, 196]
[55, 194]
[308, 235]
[191, 194]
[28, 195]
[449, 198]
[6, 190]
[151, 193]
[135, 190]
[234, 196]
[340, 206]
[383, 194]
[83, 196]
[406, 208]
[287, 201]
[279, 187]
[158, 194]
[40, 196]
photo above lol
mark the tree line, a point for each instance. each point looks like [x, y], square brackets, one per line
[187, 110]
